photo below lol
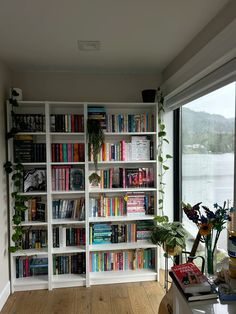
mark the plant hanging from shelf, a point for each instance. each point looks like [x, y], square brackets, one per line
[95, 142]
[16, 172]
[162, 158]
[14, 103]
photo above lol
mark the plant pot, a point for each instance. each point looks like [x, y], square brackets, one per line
[149, 95]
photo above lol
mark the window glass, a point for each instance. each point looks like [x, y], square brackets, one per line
[208, 152]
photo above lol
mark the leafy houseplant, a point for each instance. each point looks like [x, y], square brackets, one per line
[170, 235]
[162, 158]
[16, 172]
[14, 103]
[95, 142]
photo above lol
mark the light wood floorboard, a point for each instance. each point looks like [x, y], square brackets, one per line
[131, 298]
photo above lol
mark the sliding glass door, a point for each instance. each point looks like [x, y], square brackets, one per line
[208, 151]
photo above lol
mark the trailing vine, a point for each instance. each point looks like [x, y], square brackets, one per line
[162, 158]
[95, 142]
[16, 172]
[14, 103]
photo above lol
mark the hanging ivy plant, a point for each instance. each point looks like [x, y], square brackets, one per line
[95, 142]
[162, 158]
[14, 103]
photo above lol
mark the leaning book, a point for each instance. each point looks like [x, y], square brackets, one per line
[196, 296]
[190, 278]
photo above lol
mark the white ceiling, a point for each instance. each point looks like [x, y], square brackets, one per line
[136, 35]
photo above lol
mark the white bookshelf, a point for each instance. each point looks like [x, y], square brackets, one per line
[51, 281]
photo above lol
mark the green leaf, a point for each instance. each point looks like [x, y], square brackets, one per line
[161, 191]
[168, 156]
[162, 127]
[160, 159]
[160, 201]
[165, 139]
[165, 167]
[161, 133]
[13, 249]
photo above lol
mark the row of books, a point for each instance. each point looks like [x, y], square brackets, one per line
[66, 178]
[132, 204]
[29, 122]
[36, 210]
[126, 260]
[27, 266]
[130, 122]
[25, 150]
[140, 148]
[71, 209]
[107, 233]
[67, 152]
[124, 178]
[63, 236]
[68, 123]
[120, 233]
[34, 239]
[69, 264]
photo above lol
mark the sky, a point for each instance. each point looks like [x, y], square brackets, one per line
[221, 101]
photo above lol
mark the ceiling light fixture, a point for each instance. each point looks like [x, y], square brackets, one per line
[89, 45]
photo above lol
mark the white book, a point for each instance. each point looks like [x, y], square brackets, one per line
[62, 236]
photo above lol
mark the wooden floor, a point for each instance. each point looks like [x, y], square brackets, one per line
[135, 298]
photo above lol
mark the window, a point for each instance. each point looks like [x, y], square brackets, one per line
[208, 151]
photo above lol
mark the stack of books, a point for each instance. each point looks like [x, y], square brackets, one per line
[100, 233]
[144, 230]
[192, 283]
[99, 114]
[27, 151]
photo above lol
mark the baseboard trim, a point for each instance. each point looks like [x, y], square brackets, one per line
[4, 295]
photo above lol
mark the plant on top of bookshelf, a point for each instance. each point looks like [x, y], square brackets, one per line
[19, 203]
[95, 142]
[170, 235]
[162, 158]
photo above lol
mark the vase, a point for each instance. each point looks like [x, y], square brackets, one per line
[210, 257]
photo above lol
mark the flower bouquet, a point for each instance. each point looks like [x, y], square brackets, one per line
[210, 224]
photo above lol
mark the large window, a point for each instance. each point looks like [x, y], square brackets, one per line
[208, 151]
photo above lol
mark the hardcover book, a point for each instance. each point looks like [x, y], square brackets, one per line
[190, 278]
[34, 180]
[76, 179]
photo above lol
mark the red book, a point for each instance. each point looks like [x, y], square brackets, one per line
[72, 123]
[76, 152]
[61, 152]
[190, 278]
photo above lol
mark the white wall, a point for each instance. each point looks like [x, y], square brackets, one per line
[73, 86]
[4, 262]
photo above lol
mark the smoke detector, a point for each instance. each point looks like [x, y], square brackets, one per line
[89, 45]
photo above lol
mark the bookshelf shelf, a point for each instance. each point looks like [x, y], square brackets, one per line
[122, 190]
[51, 121]
[67, 222]
[33, 223]
[122, 276]
[121, 246]
[69, 249]
[67, 192]
[120, 218]
[31, 252]
[31, 283]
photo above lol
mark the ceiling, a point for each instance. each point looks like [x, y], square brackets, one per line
[136, 35]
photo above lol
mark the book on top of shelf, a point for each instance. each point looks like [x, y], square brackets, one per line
[34, 180]
[190, 278]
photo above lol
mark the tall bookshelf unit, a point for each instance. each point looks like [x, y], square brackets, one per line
[51, 253]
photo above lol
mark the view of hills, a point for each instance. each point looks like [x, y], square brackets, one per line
[206, 133]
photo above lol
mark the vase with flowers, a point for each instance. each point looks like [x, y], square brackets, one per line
[210, 224]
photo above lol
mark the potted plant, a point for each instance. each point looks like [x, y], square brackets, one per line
[170, 235]
[95, 142]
